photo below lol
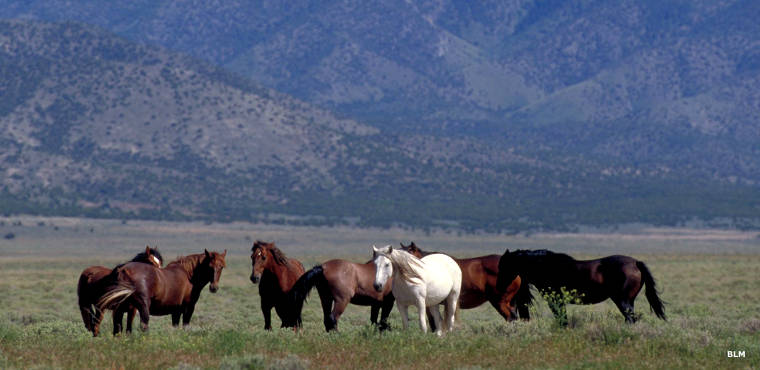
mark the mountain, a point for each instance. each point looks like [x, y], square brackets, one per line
[648, 83]
[538, 114]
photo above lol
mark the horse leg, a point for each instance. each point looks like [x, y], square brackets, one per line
[626, 308]
[130, 317]
[327, 303]
[337, 311]
[266, 309]
[118, 315]
[387, 307]
[373, 312]
[188, 314]
[175, 318]
[143, 306]
[422, 311]
[403, 310]
[436, 323]
[450, 311]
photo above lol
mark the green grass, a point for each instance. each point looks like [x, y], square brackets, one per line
[711, 305]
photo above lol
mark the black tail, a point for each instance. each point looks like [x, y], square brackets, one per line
[651, 291]
[299, 292]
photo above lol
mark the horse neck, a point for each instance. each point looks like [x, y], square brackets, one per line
[188, 265]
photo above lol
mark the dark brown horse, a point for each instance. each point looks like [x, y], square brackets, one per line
[173, 290]
[479, 277]
[340, 282]
[93, 283]
[619, 278]
[275, 273]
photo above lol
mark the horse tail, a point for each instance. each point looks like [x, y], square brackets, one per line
[300, 291]
[117, 293]
[651, 291]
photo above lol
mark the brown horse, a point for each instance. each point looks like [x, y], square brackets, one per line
[93, 283]
[275, 273]
[338, 283]
[619, 278]
[479, 277]
[173, 290]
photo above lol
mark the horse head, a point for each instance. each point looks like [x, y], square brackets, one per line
[383, 266]
[413, 249]
[214, 263]
[261, 257]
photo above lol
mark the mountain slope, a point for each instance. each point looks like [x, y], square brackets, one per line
[93, 124]
[587, 78]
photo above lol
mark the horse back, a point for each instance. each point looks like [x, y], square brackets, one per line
[443, 273]
[167, 287]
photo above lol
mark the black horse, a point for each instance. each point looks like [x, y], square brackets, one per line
[619, 278]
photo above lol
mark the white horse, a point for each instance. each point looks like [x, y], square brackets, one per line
[435, 279]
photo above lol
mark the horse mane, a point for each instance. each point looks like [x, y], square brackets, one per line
[189, 262]
[279, 256]
[409, 266]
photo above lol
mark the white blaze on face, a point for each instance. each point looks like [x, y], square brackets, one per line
[155, 260]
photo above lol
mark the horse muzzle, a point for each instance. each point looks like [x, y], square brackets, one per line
[255, 279]
[378, 287]
[213, 288]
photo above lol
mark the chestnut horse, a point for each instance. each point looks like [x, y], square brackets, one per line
[619, 278]
[340, 282]
[173, 290]
[93, 283]
[479, 276]
[275, 273]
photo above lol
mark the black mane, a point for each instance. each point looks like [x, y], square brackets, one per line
[144, 258]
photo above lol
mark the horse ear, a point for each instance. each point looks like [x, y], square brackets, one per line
[374, 249]
[207, 253]
[147, 249]
[225, 253]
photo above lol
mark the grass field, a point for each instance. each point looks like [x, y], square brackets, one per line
[709, 279]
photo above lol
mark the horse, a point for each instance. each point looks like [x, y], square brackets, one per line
[173, 290]
[434, 279]
[340, 282]
[479, 275]
[617, 277]
[275, 273]
[92, 285]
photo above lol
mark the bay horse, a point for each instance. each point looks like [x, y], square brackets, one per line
[617, 277]
[479, 275]
[435, 279]
[93, 283]
[275, 273]
[173, 290]
[340, 282]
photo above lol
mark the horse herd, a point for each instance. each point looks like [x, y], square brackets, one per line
[406, 276]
